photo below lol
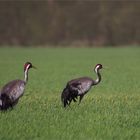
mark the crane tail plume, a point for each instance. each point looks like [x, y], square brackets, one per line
[64, 97]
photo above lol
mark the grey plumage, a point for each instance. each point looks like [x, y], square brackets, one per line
[11, 93]
[79, 87]
[13, 90]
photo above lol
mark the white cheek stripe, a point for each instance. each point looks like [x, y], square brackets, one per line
[27, 67]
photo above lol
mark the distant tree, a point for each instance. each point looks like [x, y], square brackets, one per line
[66, 22]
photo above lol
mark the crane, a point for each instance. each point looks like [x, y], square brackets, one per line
[79, 87]
[13, 90]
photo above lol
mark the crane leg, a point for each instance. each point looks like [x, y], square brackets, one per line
[80, 99]
[74, 100]
[70, 101]
[65, 103]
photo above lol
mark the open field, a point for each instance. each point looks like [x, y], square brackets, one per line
[109, 111]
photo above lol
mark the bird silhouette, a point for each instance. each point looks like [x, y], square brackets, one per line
[79, 87]
[12, 91]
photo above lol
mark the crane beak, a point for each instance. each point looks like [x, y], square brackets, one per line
[34, 67]
[105, 67]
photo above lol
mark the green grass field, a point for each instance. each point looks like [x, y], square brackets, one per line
[110, 111]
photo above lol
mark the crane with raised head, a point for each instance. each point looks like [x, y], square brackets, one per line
[79, 87]
[13, 90]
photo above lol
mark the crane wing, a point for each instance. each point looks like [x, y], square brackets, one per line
[13, 90]
[18, 91]
[74, 87]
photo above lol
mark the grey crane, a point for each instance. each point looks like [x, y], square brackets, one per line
[12, 91]
[79, 87]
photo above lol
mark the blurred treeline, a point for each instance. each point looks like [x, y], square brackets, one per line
[68, 22]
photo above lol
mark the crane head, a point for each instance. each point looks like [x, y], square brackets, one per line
[97, 67]
[28, 65]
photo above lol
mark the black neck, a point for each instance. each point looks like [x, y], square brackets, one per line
[98, 80]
